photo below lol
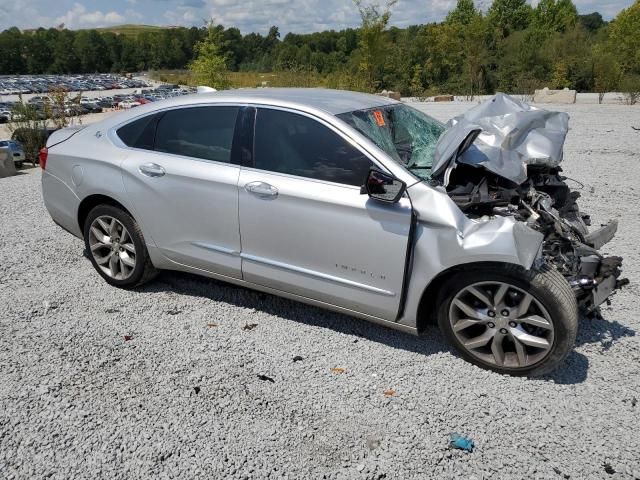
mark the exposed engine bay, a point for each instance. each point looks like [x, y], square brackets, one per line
[546, 203]
[502, 158]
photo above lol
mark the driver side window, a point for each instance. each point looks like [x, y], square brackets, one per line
[290, 143]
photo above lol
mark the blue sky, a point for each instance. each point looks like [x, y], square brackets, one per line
[248, 15]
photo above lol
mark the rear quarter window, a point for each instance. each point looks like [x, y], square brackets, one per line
[139, 133]
[200, 132]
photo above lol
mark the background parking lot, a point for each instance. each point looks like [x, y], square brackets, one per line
[192, 378]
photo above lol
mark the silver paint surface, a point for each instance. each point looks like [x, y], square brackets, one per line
[318, 242]
[513, 135]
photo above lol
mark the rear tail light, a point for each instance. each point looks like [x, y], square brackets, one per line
[42, 156]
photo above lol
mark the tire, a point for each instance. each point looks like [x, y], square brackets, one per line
[132, 266]
[18, 164]
[523, 339]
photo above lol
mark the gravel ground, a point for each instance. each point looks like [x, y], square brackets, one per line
[170, 381]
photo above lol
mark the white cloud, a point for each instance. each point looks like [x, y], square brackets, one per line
[79, 17]
[300, 16]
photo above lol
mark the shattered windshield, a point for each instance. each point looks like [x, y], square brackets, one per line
[406, 134]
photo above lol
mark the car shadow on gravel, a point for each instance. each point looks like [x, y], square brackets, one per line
[572, 371]
[591, 330]
[194, 285]
[600, 330]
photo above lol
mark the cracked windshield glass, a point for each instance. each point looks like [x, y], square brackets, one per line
[406, 134]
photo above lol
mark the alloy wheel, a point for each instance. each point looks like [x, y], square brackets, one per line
[501, 324]
[112, 247]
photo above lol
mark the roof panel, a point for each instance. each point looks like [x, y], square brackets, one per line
[331, 101]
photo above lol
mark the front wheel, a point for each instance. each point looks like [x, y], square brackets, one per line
[116, 247]
[508, 319]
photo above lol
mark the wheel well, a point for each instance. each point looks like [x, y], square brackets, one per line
[427, 308]
[93, 201]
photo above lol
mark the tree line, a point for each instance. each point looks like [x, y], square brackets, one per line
[511, 47]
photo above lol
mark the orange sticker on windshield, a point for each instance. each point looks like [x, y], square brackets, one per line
[379, 118]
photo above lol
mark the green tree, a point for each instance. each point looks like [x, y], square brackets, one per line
[65, 59]
[476, 55]
[592, 21]
[445, 54]
[607, 74]
[509, 15]
[371, 43]
[12, 48]
[91, 51]
[571, 57]
[26, 125]
[463, 14]
[624, 38]
[113, 46]
[560, 76]
[210, 66]
[555, 15]
[37, 52]
[417, 85]
[630, 86]
[520, 62]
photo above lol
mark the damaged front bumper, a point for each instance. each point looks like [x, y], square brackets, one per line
[502, 158]
[599, 277]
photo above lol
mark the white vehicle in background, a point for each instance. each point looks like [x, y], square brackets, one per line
[15, 151]
[127, 104]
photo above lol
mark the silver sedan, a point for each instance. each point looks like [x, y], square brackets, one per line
[321, 196]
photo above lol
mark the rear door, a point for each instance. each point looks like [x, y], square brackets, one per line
[305, 227]
[184, 189]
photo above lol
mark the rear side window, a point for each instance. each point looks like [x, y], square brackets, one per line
[201, 132]
[139, 133]
[298, 145]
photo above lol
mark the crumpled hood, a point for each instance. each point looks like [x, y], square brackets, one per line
[512, 135]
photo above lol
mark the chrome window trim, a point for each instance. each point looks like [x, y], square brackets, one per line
[115, 139]
[341, 130]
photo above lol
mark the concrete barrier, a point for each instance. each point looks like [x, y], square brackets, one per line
[390, 94]
[7, 167]
[554, 96]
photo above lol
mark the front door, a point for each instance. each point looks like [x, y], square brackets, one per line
[305, 227]
[184, 189]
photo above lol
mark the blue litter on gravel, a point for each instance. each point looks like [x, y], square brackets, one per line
[460, 442]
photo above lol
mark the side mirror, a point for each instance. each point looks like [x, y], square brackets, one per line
[383, 186]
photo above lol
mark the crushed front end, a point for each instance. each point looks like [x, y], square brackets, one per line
[507, 163]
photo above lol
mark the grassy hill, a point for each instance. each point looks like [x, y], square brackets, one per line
[130, 29]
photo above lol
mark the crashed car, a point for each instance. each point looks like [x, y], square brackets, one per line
[503, 158]
[351, 202]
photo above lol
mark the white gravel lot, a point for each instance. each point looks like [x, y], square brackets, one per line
[182, 398]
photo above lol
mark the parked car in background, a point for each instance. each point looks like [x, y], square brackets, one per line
[15, 151]
[129, 103]
[25, 84]
[32, 141]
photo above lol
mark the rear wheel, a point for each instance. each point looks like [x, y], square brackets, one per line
[116, 247]
[19, 164]
[508, 319]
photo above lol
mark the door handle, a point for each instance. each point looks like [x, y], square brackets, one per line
[261, 189]
[151, 170]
